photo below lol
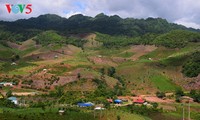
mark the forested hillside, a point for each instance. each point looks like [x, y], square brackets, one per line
[23, 29]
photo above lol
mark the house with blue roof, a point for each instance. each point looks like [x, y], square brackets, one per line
[13, 99]
[117, 101]
[88, 104]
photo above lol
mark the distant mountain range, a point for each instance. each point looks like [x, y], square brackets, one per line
[23, 29]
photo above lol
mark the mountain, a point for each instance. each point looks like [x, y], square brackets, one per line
[112, 25]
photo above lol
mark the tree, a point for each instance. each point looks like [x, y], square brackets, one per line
[59, 91]
[102, 71]
[155, 105]
[79, 76]
[9, 93]
[160, 94]
[17, 57]
[193, 93]
[118, 117]
[111, 71]
[179, 93]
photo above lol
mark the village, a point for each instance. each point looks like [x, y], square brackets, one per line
[166, 103]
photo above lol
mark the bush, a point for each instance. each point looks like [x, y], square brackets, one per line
[160, 94]
[179, 93]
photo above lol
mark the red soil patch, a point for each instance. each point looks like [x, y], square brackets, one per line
[27, 44]
[193, 84]
[156, 99]
[24, 45]
[64, 80]
[147, 98]
[46, 56]
[119, 59]
[102, 61]
[141, 50]
[13, 45]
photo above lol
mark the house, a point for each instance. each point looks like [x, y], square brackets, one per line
[99, 108]
[117, 101]
[88, 104]
[2, 83]
[13, 99]
[61, 112]
[99, 56]
[139, 101]
[56, 56]
[13, 63]
[6, 84]
[110, 100]
[186, 99]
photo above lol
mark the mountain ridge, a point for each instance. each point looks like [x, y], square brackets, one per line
[112, 25]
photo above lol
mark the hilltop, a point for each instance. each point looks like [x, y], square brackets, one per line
[113, 25]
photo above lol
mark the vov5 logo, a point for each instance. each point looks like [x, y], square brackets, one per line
[19, 8]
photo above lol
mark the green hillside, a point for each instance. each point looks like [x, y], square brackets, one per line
[55, 63]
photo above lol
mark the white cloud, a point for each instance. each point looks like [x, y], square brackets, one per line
[70, 14]
[187, 23]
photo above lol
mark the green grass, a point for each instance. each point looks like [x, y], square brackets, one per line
[126, 54]
[27, 51]
[5, 54]
[110, 51]
[112, 115]
[163, 83]
[59, 70]
[159, 53]
[24, 90]
[175, 60]
[20, 68]
[3, 47]
[1, 111]
[80, 59]
[48, 114]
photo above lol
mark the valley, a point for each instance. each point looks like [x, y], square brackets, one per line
[53, 71]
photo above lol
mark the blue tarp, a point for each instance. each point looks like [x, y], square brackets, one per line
[12, 98]
[85, 104]
[117, 101]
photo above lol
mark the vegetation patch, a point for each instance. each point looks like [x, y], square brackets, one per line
[52, 37]
[162, 83]
[192, 67]
[126, 54]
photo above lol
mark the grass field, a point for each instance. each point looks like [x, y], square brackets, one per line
[114, 114]
[163, 83]
[159, 53]
[20, 69]
[44, 114]
[72, 114]
[126, 54]
[6, 54]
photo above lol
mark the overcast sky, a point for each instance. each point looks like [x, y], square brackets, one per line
[185, 12]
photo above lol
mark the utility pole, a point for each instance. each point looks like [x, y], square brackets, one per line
[189, 110]
[94, 114]
[183, 112]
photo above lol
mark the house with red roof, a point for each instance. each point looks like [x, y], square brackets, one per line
[139, 101]
[110, 100]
